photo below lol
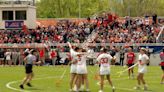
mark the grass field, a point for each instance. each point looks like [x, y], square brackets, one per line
[46, 77]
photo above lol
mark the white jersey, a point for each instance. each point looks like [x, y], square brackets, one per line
[90, 53]
[8, 55]
[81, 64]
[142, 59]
[73, 56]
[73, 53]
[104, 59]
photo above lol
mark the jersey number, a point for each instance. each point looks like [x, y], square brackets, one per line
[104, 60]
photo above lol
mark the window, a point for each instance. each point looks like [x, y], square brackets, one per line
[7, 15]
[20, 15]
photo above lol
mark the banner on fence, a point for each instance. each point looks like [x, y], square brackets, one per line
[14, 24]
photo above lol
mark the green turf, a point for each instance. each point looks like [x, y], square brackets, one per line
[48, 76]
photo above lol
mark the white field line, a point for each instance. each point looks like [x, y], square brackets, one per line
[8, 85]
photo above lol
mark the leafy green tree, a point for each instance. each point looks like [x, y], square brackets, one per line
[70, 8]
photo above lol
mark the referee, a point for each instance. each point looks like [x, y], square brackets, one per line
[29, 60]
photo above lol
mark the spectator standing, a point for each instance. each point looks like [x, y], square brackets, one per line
[53, 55]
[8, 57]
[122, 54]
[15, 57]
[2, 56]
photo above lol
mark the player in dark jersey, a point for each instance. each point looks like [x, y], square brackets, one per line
[30, 59]
[130, 61]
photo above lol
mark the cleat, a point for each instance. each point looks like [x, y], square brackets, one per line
[21, 86]
[28, 84]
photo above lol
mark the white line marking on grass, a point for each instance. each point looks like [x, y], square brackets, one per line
[15, 89]
[8, 85]
[61, 77]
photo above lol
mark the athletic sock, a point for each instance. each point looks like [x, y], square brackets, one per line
[100, 91]
[75, 88]
[82, 87]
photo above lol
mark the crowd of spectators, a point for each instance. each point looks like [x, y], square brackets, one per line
[108, 29]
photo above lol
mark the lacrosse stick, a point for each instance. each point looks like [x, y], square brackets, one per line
[121, 72]
[58, 82]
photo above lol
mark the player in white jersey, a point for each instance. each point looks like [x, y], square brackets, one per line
[82, 71]
[143, 59]
[73, 63]
[104, 59]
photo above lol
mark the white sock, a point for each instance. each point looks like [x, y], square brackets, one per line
[100, 91]
[82, 87]
[145, 85]
[75, 88]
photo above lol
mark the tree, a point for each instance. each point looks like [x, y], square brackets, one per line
[70, 8]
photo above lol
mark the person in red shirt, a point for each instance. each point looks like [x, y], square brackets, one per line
[110, 18]
[162, 65]
[41, 54]
[53, 56]
[130, 61]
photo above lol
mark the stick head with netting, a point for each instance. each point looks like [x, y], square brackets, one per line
[97, 76]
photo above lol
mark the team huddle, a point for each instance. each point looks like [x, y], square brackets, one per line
[79, 73]
[79, 68]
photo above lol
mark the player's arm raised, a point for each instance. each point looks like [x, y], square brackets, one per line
[69, 44]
